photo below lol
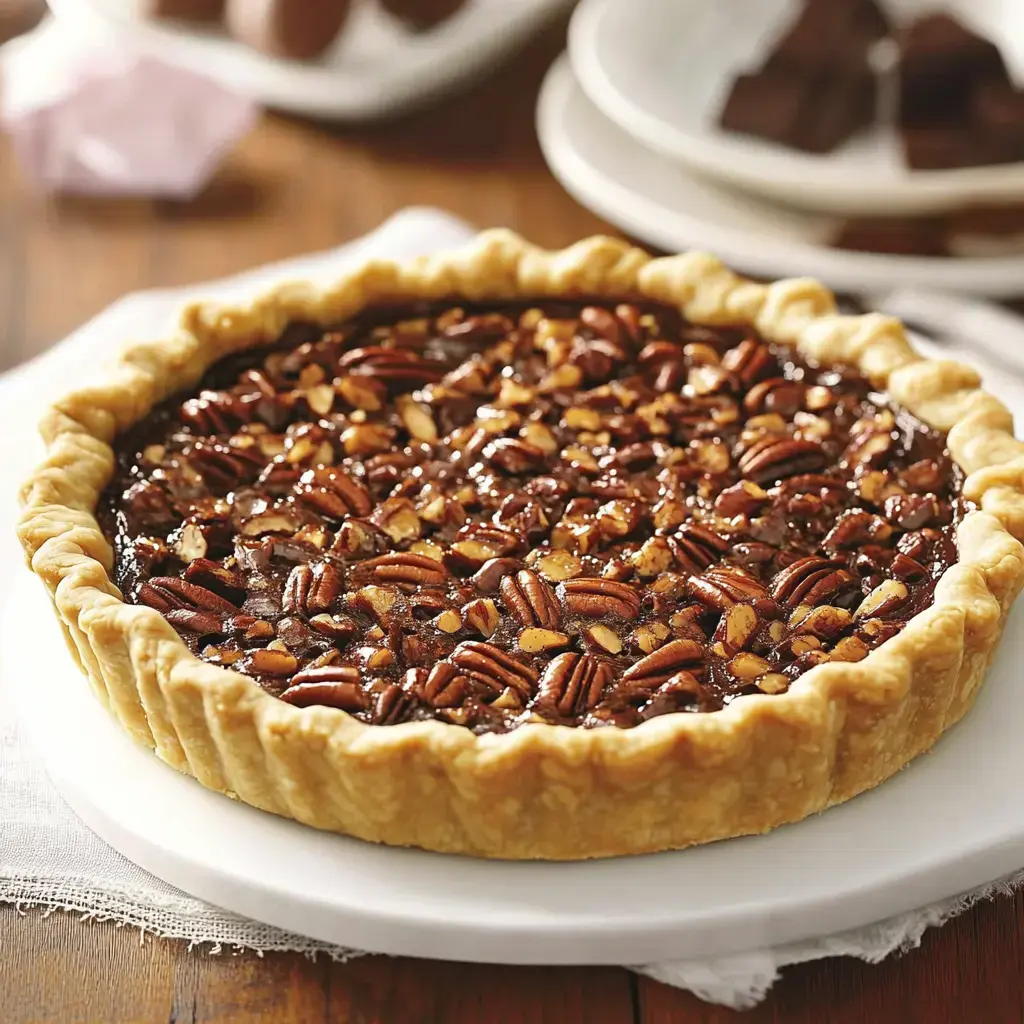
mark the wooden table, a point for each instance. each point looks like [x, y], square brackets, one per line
[295, 187]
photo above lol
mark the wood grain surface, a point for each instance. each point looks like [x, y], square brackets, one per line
[293, 187]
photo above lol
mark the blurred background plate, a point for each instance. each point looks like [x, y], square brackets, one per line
[661, 71]
[376, 69]
[656, 201]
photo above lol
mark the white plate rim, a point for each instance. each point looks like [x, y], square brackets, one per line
[812, 182]
[137, 804]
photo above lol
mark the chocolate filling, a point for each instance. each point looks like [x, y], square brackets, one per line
[585, 514]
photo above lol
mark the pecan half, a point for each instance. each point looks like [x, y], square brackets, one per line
[514, 456]
[749, 360]
[193, 621]
[444, 686]
[696, 547]
[405, 567]
[492, 667]
[311, 589]
[812, 580]
[573, 683]
[595, 598]
[344, 696]
[724, 586]
[392, 706]
[333, 493]
[773, 458]
[397, 369]
[214, 576]
[165, 593]
[531, 600]
[665, 662]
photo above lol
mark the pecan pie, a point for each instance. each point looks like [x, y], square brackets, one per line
[533, 555]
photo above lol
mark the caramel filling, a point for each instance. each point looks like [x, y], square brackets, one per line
[581, 514]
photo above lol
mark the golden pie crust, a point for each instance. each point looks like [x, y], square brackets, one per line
[540, 791]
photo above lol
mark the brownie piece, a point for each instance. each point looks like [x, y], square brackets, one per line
[768, 105]
[997, 115]
[942, 147]
[814, 115]
[941, 61]
[897, 236]
[829, 36]
[838, 109]
[998, 220]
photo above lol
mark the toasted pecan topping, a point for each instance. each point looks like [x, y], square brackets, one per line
[583, 514]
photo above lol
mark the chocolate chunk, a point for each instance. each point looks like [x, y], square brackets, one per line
[838, 110]
[815, 116]
[997, 116]
[940, 147]
[1000, 219]
[897, 236]
[816, 88]
[288, 28]
[770, 106]
[829, 36]
[941, 61]
[987, 230]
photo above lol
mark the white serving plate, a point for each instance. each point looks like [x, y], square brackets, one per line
[952, 821]
[654, 199]
[661, 70]
[376, 69]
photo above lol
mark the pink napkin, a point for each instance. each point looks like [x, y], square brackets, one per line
[100, 121]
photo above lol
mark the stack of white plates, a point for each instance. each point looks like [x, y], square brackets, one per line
[627, 121]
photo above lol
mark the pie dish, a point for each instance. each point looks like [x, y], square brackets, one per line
[531, 554]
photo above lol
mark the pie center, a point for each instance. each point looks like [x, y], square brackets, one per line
[561, 512]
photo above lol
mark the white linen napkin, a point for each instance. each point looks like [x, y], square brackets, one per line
[50, 859]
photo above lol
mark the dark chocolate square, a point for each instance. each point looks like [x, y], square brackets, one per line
[896, 236]
[814, 115]
[837, 109]
[942, 147]
[997, 115]
[941, 61]
[829, 36]
[770, 106]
